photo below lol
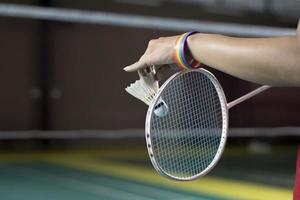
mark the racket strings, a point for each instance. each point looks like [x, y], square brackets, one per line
[184, 142]
[177, 152]
[191, 110]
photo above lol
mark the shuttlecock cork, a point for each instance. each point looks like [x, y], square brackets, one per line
[145, 90]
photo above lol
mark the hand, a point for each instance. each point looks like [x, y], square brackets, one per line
[158, 53]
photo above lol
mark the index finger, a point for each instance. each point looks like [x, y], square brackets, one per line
[135, 66]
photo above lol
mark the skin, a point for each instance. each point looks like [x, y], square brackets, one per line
[273, 61]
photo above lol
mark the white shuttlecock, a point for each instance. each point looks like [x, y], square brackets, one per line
[145, 90]
[141, 91]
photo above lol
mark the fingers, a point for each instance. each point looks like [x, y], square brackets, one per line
[138, 65]
[141, 64]
[134, 67]
[159, 52]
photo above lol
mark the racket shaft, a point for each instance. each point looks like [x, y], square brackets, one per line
[248, 96]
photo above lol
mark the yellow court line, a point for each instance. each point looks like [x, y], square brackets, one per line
[214, 186]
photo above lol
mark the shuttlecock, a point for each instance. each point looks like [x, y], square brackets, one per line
[145, 90]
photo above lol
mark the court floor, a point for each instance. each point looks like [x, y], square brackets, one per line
[127, 174]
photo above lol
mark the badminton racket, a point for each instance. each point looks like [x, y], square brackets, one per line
[188, 141]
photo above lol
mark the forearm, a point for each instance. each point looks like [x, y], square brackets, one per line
[272, 61]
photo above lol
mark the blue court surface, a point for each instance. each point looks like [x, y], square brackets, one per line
[126, 174]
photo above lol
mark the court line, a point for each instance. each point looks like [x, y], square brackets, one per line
[137, 189]
[138, 21]
[31, 188]
[81, 185]
[126, 184]
[149, 191]
[214, 186]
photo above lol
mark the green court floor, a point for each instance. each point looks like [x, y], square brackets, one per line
[127, 174]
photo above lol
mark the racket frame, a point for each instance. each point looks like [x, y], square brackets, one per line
[225, 116]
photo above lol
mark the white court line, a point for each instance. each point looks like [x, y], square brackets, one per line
[96, 189]
[138, 21]
[160, 193]
[105, 190]
[100, 189]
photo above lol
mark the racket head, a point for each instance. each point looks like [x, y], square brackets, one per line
[189, 140]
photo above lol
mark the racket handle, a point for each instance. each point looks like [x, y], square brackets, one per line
[248, 96]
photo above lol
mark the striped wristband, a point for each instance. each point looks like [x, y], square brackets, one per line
[179, 53]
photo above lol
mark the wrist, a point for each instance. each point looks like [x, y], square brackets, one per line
[192, 43]
[182, 54]
[191, 40]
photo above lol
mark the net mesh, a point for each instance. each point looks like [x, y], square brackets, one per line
[186, 140]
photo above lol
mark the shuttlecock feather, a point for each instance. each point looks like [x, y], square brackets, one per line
[145, 90]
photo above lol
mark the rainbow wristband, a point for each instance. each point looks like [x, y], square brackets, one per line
[179, 53]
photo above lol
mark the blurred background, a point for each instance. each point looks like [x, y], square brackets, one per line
[68, 129]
